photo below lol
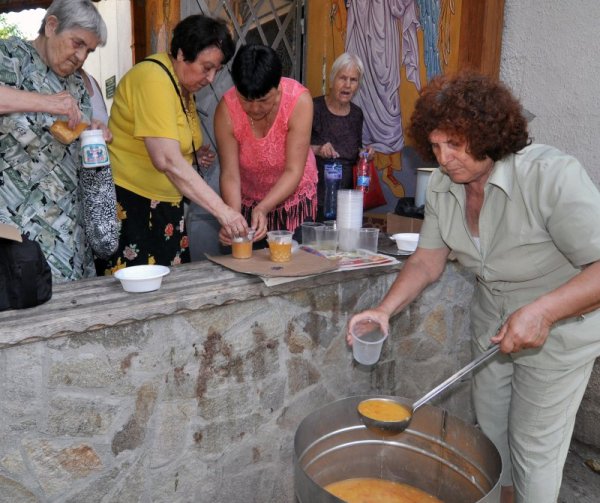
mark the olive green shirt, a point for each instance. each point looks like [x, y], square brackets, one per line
[539, 223]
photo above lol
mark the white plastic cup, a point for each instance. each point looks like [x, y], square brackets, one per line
[367, 239]
[348, 239]
[309, 235]
[367, 341]
[349, 209]
[327, 239]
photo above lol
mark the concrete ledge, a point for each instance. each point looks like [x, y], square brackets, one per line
[97, 303]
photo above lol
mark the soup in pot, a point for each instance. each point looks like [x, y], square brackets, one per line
[369, 490]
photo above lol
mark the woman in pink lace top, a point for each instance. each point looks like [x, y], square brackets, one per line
[263, 126]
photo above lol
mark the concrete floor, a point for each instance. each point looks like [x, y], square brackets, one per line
[580, 484]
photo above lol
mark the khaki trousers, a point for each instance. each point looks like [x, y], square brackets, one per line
[529, 414]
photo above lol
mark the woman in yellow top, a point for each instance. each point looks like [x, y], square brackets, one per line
[155, 152]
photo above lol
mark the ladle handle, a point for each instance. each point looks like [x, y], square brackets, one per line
[453, 378]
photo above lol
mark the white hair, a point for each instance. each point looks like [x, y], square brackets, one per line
[76, 14]
[346, 60]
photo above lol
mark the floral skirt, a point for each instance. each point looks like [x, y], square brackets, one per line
[152, 232]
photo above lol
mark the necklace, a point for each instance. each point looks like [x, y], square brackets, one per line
[265, 118]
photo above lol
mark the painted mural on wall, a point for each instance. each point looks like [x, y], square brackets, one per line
[372, 34]
[391, 36]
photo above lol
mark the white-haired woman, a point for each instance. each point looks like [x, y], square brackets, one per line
[40, 190]
[337, 123]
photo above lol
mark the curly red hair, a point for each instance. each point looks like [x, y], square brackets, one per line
[472, 108]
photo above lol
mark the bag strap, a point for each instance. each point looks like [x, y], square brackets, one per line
[176, 87]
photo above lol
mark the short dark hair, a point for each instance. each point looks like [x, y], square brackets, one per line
[473, 108]
[256, 69]
[195, 33]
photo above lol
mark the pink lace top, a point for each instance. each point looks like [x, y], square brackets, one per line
[262, 161]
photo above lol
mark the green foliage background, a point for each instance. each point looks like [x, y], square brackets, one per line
[7, 29]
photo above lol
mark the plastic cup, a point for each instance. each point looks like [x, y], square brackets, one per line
[367, 239]
[309, 236]
[330, 223]
[280, 245]
[327, 239]
[241, 246]
[349, 213]
[367, 341]
[348, 239]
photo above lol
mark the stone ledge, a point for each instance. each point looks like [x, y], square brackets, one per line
[97, 303]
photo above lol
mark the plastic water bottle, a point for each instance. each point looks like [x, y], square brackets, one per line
[333, 179]
[363, 174]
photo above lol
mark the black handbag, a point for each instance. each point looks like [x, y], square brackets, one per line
[25, 276]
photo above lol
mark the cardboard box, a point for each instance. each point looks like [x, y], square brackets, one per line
[10, 232]
[398, 223]
[377, 220]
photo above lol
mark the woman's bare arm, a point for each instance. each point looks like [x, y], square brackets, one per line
[16, 101]
[421, 269]
[166, 156]
[229, 162]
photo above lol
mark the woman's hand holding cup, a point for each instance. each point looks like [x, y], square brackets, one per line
[259, 222]
[370, 314]
[232, 223]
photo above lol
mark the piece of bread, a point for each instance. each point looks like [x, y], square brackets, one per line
[61, 131]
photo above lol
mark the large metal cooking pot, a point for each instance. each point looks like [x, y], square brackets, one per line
[438, 453]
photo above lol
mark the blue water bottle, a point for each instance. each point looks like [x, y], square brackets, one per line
[333, 179]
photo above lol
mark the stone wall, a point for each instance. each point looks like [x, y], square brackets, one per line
[193, 393]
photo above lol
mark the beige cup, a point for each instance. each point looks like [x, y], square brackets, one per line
[280, 245]
[241, 246]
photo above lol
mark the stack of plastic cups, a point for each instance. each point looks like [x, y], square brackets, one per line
[349, 218]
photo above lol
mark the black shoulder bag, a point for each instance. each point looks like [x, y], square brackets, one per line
[25, 277]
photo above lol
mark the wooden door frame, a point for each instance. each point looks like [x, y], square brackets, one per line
[480, 43]
[152, 25]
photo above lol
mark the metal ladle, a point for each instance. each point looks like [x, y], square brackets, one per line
[394, 427]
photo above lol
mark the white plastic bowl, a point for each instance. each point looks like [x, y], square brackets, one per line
[141, 278]
[406, 241]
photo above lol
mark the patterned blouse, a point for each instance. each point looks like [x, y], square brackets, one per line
[39, 177]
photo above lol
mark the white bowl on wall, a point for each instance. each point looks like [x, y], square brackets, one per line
[141, 278]
[406, 241]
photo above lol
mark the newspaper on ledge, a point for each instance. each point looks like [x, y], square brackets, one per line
[348, 261]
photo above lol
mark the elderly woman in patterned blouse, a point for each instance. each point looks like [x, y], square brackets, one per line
[39, 176]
